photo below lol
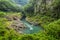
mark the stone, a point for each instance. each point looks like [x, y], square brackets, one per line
[18, 25]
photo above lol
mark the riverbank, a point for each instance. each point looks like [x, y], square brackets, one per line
[40, 20]
[20, 25]
[16, 24]
[13, 20]
[7, 33]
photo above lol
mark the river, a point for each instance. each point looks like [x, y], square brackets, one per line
[30, 28]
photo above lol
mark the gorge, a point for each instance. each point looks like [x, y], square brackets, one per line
[29, 28]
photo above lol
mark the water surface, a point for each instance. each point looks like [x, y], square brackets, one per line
[31, 28]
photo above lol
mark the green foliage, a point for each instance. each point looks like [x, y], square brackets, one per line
[8, 5]
[54, 29]
[9, 34]
[2, 14]
[28, 7]
[40, 19]
[5, 32]
[43, 14]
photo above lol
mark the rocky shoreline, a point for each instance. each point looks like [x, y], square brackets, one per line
[16, 24]
[31, 22]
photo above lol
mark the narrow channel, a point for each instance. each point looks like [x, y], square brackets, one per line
[30, 28]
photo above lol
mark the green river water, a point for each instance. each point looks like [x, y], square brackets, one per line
[30, 28]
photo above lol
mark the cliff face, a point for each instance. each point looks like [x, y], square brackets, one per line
[43, 5]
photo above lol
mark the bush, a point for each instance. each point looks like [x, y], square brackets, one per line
[53, 28]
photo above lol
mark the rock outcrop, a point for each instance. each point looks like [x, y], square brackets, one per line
[17, 24]
[32, 22]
